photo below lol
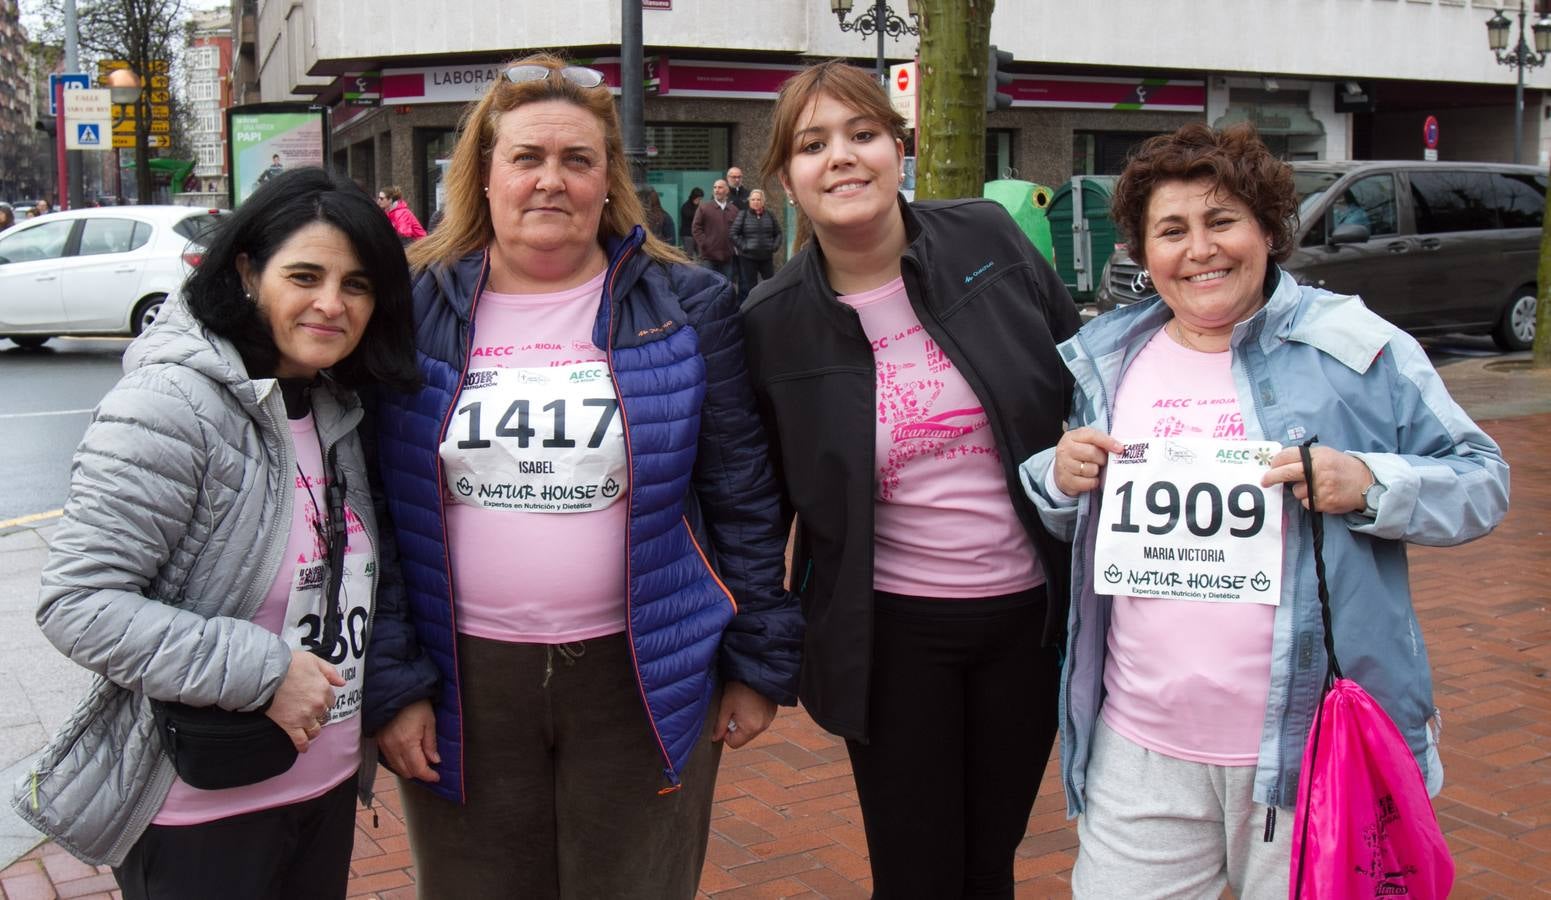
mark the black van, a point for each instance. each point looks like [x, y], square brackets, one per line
[1435, 248]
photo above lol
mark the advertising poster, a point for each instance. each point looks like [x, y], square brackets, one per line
[267, 139]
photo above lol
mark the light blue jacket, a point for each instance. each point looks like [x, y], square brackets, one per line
[1309, 363]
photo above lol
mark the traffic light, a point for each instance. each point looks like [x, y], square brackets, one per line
[46, 124]
[996, 79]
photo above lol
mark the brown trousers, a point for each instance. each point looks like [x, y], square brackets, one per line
[562, 774]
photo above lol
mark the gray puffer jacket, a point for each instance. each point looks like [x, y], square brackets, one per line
[180, 506]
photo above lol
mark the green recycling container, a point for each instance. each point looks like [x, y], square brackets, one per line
[1084, 234]
[1027, 202]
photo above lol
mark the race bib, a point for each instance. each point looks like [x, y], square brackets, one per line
[546, 440]
[1187, 519]
[304, 626]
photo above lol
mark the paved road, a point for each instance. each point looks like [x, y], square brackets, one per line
[47, 401]
[50, 394]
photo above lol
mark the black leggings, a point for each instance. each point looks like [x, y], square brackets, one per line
[961, 719]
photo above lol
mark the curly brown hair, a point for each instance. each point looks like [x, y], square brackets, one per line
[1234, 160]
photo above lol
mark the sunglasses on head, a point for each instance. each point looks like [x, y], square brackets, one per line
[581, 76]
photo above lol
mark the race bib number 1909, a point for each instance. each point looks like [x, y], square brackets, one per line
[1187, 519]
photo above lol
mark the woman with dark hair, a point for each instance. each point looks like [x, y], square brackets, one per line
[757, 236]
[657, 218]
[687, 217]
[1195, 660]
[905, 360]
[588, 523]
[7, 216]
[218, 560]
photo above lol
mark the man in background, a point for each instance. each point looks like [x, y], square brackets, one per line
[712, 229]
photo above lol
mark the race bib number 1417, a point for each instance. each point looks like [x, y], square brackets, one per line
[1187, 519]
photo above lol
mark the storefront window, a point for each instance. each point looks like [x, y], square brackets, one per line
[433, 151]
[680, 158]
[999, 154]
[1104, 152]
[690, 148]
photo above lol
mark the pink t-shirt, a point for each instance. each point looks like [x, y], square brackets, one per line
[943, 523]
[290, 609]
[1186, 679]
[535, 481]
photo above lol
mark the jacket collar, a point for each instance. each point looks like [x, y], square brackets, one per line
[1336, 325]
[177, 338]
[460, 281]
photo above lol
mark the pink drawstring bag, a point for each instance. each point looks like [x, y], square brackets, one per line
[1364, 826]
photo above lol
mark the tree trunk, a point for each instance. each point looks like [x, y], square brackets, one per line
[950, 98]
[1542, 348]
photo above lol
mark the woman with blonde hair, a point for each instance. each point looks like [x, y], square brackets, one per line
[586, 520]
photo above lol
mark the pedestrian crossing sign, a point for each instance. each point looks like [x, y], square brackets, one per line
[87, 134]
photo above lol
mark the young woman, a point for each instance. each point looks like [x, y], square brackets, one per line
[905, 362]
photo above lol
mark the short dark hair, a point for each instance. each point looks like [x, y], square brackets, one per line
[281, 207]
[1234, 160]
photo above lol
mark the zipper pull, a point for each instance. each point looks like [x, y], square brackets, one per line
[1270, 823]
[34, 790]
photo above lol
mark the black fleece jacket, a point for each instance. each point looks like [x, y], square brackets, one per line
[998, 309]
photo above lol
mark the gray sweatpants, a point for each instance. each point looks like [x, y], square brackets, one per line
[562, 775]
[1156, 826]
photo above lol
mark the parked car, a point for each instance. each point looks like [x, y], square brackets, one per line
[95, 271]
[1434, 247]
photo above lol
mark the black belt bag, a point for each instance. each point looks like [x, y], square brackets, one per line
[214, 748]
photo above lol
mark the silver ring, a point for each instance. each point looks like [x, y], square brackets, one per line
[323, 720]
[732, 725]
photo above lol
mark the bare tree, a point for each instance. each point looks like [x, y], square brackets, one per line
[950, 113]
[136, 31]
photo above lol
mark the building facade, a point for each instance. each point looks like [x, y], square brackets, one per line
[207, 67]
[1322, 79]
[25, 161]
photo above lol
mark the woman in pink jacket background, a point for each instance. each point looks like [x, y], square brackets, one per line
[391, 201]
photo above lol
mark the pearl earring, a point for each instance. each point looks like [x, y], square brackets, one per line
[605, 201]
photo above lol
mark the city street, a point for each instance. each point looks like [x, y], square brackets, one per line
[44, 412]
[43, 422]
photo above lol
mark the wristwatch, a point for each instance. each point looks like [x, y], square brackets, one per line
[1370, 497]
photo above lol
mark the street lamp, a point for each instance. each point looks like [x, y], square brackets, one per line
[879, 19]
[1520, 57]
[124, 89]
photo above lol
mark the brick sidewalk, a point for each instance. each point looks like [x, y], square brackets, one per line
[786, 822]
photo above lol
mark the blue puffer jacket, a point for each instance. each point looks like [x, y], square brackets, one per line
[704, 550]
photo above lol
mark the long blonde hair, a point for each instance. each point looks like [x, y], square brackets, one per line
[466, 225]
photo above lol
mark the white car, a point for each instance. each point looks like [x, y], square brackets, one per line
[96, 271]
